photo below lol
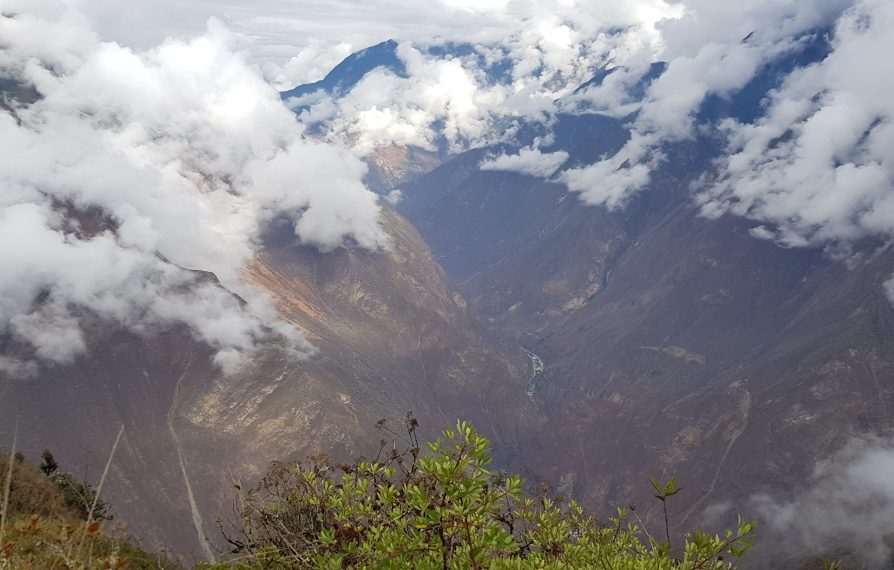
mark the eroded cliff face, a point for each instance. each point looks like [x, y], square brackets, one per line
[393, 165]
[391, 336]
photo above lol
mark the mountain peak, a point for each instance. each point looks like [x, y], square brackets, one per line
[352, 69]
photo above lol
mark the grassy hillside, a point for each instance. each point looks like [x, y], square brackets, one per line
[47, 523]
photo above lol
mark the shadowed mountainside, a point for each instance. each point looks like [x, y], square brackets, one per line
[672, 344]
[392, 337]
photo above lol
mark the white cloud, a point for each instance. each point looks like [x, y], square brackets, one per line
[816, 168]
[186, 152]
[761, 232]
[848, 503]
[553, 47]
[189, 150]
[707, 54]
[17, 368]
[609, 182]
[130, 287]
[309, 65]
[530, 161]
[461, 99]
[278, 29]
[819, 165]
[385, 109]
[616, 95]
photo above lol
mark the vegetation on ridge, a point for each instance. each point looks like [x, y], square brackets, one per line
[436, 507]
[446, 509]
[47, 522]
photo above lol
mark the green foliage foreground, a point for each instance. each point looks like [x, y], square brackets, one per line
[446, 509]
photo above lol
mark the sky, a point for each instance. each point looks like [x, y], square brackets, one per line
[278, 31]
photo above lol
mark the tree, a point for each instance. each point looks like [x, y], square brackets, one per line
[49, 464]
[79, 496]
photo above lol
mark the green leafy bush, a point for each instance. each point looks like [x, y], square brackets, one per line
[445, 509]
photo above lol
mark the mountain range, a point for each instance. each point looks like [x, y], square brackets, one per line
[595, 346]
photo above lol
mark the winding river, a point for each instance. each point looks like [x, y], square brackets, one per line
[537, 366]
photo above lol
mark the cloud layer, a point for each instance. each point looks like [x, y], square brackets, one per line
[712, 50]
[280, 29]
[818, 166]
[509, 62]
[181, 152]
[531, 161]
[848, 503]
[532, 58]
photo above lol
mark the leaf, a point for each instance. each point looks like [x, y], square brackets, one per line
[671, 488]
[657, 486]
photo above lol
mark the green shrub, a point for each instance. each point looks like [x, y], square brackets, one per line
[445, 509]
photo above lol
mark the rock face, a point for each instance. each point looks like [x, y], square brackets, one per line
[393, 165]
[392, 337]
[672, 344]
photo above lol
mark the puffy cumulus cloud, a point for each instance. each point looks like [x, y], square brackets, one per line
[714, 49]
[617, 93]
[131, 287]
[609, 181]
[453, 98]
[46, 31]
[818, 166]
[185, 152]
[531, 161]
[527, 54]
[385, 109]
[815, 168]
[322, 185]
[524, 56]
[848, 503]
[310, 64]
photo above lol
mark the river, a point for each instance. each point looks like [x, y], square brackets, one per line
[537, 366]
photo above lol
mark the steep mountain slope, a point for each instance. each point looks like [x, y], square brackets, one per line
[673, 344]
[510, 238]
[739, 364]
[392, 337]
[393, 165]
